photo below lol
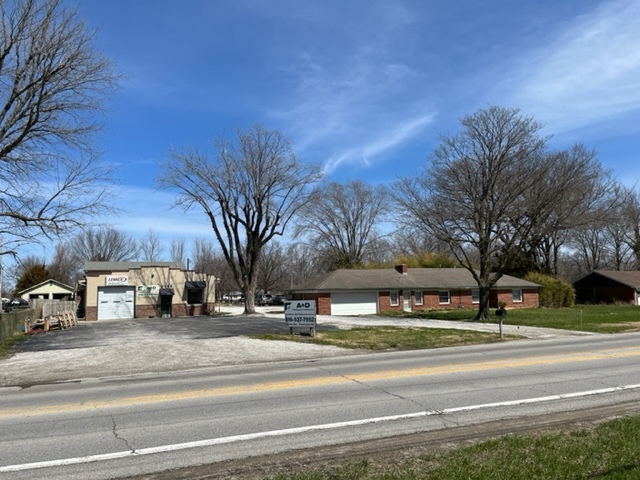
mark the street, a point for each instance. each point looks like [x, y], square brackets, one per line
[119, 427]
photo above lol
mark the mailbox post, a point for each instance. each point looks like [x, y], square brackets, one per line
[300, 314]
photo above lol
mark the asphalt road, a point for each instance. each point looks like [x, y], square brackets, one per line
[114, 427]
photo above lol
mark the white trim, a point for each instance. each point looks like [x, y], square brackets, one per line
[397, 300]
[440, 302]
[421, 294]
[513, 295]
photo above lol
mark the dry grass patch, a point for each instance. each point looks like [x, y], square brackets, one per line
[391, 338]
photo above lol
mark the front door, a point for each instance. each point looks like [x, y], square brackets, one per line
[406, 300]
[165, 306]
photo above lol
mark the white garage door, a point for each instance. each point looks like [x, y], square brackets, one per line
[115, 302]
[361, 303]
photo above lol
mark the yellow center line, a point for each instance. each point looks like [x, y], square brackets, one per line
[314, 382]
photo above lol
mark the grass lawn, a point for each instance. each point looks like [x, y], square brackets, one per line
[589, 318]
[608, 451]
[391, 338]
[7, 345]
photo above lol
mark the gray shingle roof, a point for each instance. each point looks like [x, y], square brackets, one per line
[390, 278]
[630, 278]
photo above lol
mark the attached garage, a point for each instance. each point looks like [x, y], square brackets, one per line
[354, 303]
[116, 302]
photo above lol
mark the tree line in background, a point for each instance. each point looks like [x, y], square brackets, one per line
[493, 198]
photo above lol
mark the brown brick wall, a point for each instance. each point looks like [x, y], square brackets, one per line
[458, 299]
[91, 313]
[384, 302]
[147, 311]
[323, 301]
[529, 299]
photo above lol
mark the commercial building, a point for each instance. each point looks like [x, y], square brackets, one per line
[113, 290]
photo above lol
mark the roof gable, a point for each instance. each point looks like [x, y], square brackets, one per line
[60, 285]
[630, 278]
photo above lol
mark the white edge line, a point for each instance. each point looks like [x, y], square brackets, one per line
[310, 428]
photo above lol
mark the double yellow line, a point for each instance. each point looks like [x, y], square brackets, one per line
[318, 381]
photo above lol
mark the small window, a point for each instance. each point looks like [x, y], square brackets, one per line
[443, 297]
[419, 299]
[516, 295]
[394, 299]
[475, 295]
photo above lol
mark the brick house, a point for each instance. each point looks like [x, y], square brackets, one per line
[360, 292]
[144, 289]
[609, 286]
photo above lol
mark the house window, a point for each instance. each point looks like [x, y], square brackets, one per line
[419, 299]
[475, 295]
[394, 299]
[194, 295]
[195, 291]
[516, 295]
[443, 297]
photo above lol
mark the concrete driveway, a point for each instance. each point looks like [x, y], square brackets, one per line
[109, 348]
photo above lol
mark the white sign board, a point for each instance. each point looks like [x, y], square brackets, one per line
[148, 290]
[300, 313]
[113, 280]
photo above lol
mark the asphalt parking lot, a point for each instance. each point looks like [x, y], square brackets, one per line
[115, 348]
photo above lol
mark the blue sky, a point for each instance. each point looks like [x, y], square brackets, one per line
[364, 87]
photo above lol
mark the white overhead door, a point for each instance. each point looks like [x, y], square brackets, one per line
[115, 302]
[352, 303]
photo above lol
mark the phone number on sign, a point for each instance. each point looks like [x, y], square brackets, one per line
[301, 320]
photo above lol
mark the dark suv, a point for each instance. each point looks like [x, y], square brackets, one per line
[279, 299]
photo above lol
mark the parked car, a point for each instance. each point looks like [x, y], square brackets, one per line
[279, 299]
[263, 299]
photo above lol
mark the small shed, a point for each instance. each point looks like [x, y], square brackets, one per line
[609, 286]
[48, 290]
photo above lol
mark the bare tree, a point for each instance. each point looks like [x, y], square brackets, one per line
[104, 244]
[178, 250]
[301, 264]
[249, 193]
[472, 198]
[583, 194]
[631, 217]
[64, 266]
[204, 256]
[151, 247]
[273, 274]
[494, 191]
[341, 222]
[52, 85]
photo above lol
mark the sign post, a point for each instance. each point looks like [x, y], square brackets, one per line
[301, 314]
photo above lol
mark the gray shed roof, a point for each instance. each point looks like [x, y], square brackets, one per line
[390, 278]
[119, 266]
[630, 278]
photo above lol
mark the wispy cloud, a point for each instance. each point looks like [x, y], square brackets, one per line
[587, 74]
[353, 103]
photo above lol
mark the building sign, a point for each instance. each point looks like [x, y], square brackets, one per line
[113, 280]
[300, 313]
[148, 290]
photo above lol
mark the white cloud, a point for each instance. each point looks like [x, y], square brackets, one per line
[587, 74]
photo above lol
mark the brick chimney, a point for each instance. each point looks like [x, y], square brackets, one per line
[401, 269]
